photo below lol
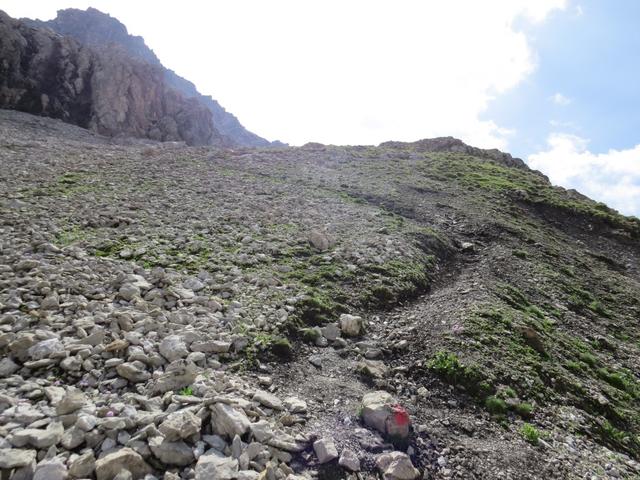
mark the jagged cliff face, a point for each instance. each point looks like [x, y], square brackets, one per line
[94, 28]
[101, 88]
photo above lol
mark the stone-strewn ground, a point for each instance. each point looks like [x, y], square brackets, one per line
[179, 312]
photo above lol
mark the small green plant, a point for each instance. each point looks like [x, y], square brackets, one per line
[449, 368]
[534, 311]
[588, 359]
[597, 307]
[575, 367]
[509, 392]
[530, 433]
[611, 433]
[71, 235]
[619, 380]
[317, 309]
[567, 271]
[496, 406]
[309, 335]
[524, 409]
[281, 347]
[187, 391]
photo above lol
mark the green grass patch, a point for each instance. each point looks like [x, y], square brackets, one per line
[188, 391]
[495, 405]
[450, 369]
[71, 235]
[530, 433]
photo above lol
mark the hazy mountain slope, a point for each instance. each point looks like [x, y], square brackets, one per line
[501, 312]
[92, 27]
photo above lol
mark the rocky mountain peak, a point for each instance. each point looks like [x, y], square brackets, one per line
[93, 27]
[85, 68]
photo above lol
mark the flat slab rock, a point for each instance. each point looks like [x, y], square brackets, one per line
[111, 464]
[216, 467]
[15, 458]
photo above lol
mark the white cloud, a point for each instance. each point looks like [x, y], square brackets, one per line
[362, 71]
[562, 124]
[560, 99]
[612, 177]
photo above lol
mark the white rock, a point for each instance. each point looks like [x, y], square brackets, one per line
[126, 475]
[193, 283]
[330, 331]
[227, 420]
[86, 422]
[83, 466]
[215, 441]
[295, 405]
[38, 438]
[72, 438]
[178, 374]
[171, 453]
[319, 240]
[351, 325]
[216, 467]
[325, 450]
[11, 458]
[268, 400]
[467, 246]
[139, 281]
[54, 394]
[211, 346]
[349, 460]
[50, 348]
[396, 466]
[133, 371]
[73, 400]
[236, 447]
[112, 463]
[262, 431]
[24, 473]
[50, 302]
[248, 475]
[183, 293]
[24, 414]
[376, 409]
[8, 367]
[380, 411]
[129, 291]
[51, 470]
[179, 425]
[173, 348]
[372, 368]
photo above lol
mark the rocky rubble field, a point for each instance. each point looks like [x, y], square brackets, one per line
[393, 312]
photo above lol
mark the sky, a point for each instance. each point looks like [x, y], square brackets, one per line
[555, 82]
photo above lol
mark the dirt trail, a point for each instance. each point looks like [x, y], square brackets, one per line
[452, 436]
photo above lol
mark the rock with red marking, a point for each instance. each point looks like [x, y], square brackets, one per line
[382, 412]
[398, 422]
